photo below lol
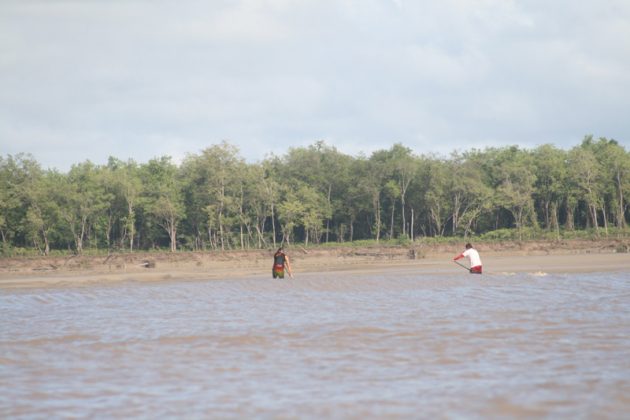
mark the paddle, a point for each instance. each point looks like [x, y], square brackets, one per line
[461, 265]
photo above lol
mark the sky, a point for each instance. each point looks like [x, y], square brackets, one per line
[138, 79]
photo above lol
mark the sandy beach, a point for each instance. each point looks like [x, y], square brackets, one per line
[500, 258]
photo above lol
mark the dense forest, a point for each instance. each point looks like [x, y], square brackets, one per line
[215, 200]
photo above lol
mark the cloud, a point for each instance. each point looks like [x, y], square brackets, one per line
[98, 78]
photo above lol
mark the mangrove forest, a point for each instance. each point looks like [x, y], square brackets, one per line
[215, 200]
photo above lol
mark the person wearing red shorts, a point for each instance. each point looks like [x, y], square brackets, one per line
[280, 264]
[473, 256]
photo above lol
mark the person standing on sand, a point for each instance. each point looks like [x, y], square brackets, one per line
[473, 256]
[280, 262]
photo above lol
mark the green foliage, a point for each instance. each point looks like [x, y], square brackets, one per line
[403, 240]
[315, 196]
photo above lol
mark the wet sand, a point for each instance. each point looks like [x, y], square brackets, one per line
[42, 272]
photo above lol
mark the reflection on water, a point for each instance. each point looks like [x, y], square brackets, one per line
[321, 346]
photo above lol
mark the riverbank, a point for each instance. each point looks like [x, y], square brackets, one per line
[506, 257]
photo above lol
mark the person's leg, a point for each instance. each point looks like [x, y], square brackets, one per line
[475, 270]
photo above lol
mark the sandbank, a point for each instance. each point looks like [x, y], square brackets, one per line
[507, 258]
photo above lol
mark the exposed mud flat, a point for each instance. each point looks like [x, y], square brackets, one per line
[505, 257]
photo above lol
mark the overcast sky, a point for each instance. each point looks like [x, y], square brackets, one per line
[137, 79]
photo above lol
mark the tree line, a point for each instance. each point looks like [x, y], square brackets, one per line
[216, 200]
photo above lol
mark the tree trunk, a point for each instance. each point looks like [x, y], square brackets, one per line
[240, 211]
[212, 239]
[173, 234]
[221, 229]
[261, 238]
[554, 219]
[328, 218]
[273, 224]
[593, 211]
[620, 217]
[46, 243]
[569, 224]
[376, 202]
[546, 209]
[132, 225]
[456, 209]
[4, 240]
[402, 209]
[79, 237]
[351, 228]
[391, 223]
[436, 216]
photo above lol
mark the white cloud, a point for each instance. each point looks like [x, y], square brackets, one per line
[98, 78]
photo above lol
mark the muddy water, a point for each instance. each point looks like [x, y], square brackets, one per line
[356, 345]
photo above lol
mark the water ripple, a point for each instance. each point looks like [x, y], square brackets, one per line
[389, 345]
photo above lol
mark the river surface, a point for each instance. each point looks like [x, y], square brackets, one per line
[393, 345]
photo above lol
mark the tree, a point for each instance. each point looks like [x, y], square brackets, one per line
[401, 167]
[311, 194]
[290, 211]
[258, 204]
[356, 199]
[614, 163]
[404, 169]
[127, 187]
[437, 176]
[225, 166]
[551, 169]
[43, 195]
[372, 174]
[586, 176]
[271, 190]
[314, 211]
[164, 195]
[85, 197]
[392, 192]
[196, 198]
[471, 193]
[322, 167]
[514, 183]
[15, 173]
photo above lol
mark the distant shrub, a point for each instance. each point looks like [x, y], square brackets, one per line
[364, 243]
[403, 240]
[499, 235]
[438, 240]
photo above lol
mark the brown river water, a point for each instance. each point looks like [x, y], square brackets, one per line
[388, 345]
